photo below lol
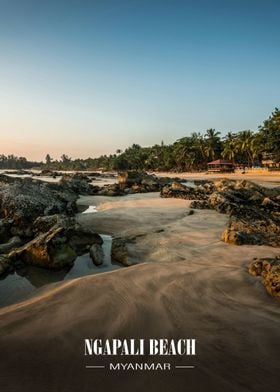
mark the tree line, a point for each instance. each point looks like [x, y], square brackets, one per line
[186, 154]
[14, 162]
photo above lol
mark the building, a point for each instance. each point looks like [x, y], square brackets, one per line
[221, 166]
[269, 161]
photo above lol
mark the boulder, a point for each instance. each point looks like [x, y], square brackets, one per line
[56, 248]
[24, 200]
[48, 250]
[111, 190]
[96, 254]
[119, 252]
[5, 229]
[269, 270]
[200, 204]
[77, 183]
[177, 186]
[13, 243]
[130, 178]
[5, 265]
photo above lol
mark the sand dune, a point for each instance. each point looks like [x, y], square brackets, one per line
[189, 284]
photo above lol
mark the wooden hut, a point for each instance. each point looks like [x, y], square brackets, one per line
[221, 166]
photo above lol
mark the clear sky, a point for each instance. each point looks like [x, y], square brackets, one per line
[87, 77]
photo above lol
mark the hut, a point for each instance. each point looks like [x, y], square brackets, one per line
[221, 166]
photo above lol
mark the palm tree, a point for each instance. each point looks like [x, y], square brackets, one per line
[212, 143]
[230, 149]
[245, 145]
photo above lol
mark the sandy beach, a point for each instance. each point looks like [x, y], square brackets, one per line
[186, 283]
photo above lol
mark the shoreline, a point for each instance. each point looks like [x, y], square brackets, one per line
[186, 282]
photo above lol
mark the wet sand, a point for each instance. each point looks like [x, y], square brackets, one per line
[188, 283]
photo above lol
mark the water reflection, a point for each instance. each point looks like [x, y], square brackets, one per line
[17, 286]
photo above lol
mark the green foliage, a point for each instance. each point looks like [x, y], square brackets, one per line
[188, 153]
[269, 135]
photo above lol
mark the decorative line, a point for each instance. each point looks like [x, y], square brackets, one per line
[185, 367]
[94, 367]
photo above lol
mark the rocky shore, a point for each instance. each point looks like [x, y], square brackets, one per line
[38, 227]
[37, 224]
[254, 218]
[187, 283]
[254, 211]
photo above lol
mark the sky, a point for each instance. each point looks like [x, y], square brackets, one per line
[85, 77]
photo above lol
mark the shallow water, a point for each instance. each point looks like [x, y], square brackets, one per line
[17, 286]
[89, 210]
[189, 184]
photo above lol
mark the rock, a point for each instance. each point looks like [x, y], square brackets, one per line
[56, 248]
[48, 250]
[44, 223]
[130, 178]
[5, 229]
[269, 270]
[77, 183]
[119, 252]
[110, 190]
[96, 253]
[81, 239]
[140, 182]
[180, 191]
[254, 210]
[24, 200]
[177, 186]
[14, 242]
[255, 217]
[5, 265]
[200, 204]
[48, 173]
[230, 236]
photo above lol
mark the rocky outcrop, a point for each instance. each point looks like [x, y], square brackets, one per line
[199, 204]
[5, 265]
[254, 210]
[13, 243]
[180, 191]
[57, 248]
[269, 270]
[140, 182]
[96, 254]
[119, 252]
[78, 183]
[24, 200]
[40, 215]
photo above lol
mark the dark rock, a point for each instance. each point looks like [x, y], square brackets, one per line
[255, 217]
[96, 253]
[25, 200]
[111, 190]
[130, 178]
[44, 223]
[58, 247]
[180, 191]
[77, 183]
[119, 252]
[48, 250]
[81, 239]
[5, 265]
[269, 270]
[13, 243]
[200, 204]
[5, 229]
